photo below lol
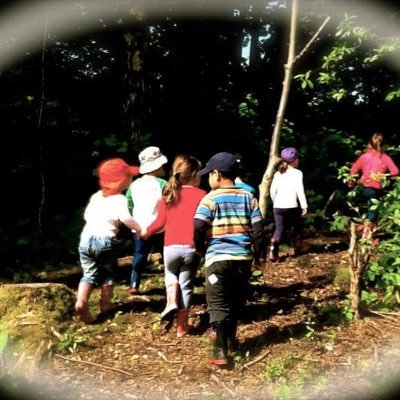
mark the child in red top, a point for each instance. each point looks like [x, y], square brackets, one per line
[176, 214]
[372, 164]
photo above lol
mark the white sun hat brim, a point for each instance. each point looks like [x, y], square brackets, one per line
[152, 165]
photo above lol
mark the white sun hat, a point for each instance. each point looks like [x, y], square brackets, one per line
[151, 159]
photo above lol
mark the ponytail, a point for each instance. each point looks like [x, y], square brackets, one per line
[184, 169]
[375, 142]
[282, 166]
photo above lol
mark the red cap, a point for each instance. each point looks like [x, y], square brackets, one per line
[113, 174]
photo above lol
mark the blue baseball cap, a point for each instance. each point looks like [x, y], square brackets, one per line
[223, 162]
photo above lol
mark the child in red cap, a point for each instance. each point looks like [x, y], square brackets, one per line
[107, 209]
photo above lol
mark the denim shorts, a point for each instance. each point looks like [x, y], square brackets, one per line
[98, 256]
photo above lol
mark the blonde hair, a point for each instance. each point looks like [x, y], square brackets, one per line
[375, 142]
[184, 169]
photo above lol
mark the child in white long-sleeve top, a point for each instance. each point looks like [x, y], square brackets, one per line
[290, 203]
[106, 211]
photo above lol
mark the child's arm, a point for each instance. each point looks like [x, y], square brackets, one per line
[160, 221]
[200, 235]
[125, 216]
[392, 167]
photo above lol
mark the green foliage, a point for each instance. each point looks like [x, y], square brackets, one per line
[3, 341]
[278, 368]
[70, 341]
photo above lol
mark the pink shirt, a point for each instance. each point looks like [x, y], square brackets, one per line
[373, 165]
[178, 218]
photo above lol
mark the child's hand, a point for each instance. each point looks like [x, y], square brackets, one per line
[303, 212]
[143, 234]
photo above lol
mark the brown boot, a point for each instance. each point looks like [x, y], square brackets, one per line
[182, 322]
[105, 298]
[172, 302]
[81, 305]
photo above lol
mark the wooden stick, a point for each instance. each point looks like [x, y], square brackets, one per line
[94, 364]
[216, 379]
[256, 360]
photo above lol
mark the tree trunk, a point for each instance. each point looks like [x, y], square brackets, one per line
[273, 152]
[359, 259]
[136, 107]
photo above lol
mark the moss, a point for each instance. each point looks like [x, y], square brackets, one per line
[28, 312]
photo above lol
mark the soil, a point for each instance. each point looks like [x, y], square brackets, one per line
[296, 342]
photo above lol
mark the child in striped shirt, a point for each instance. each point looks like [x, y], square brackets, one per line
[228, 224]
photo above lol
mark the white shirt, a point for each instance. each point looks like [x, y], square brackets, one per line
[146, 193]
[103, 215]
[287, 188]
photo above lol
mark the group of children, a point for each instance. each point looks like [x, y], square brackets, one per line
[224, 226]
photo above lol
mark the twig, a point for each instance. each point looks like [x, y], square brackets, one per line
[216, 379]
[385, 314]
[256, 360]
[311, 40]
[94, 364]
[375, 325]
[252, 373]
[162, 355]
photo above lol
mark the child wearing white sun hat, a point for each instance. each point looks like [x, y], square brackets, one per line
[144, 195]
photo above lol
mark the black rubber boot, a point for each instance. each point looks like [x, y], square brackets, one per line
[219, 344]
[231, 328]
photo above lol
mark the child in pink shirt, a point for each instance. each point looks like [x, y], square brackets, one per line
[373, 164]
[176, 214]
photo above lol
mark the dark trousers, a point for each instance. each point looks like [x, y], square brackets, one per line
[286, 218]
[371, 194]
[227, 285]
[141, 251]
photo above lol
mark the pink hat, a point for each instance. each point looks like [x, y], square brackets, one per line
[113, 174]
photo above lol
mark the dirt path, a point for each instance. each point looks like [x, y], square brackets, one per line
[295, 343]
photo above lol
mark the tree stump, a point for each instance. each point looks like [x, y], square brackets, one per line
[30, 312]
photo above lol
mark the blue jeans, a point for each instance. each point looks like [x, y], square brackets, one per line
[141, 250]
[370, 194]
[181, 264]
[98, 256]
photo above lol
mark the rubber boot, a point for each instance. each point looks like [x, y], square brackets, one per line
[105, 298]
[219, 351]
[231, 330]
[273, 255]
[182, 322]
[81, 305]
[172, 302]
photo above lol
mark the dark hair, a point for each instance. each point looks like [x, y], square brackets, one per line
[282, 166]
[184, 169]
[229, 175]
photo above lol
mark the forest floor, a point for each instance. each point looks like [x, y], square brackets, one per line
[296, 342]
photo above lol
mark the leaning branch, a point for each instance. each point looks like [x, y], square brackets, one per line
[311, 40]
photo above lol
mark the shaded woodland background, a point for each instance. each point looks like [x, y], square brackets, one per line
[184, 84]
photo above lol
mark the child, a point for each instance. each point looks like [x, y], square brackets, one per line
[228, 223]
[107, 208]
[239, 180]
[144, 195]
[286, 192]
[372, 164]
[176, 213]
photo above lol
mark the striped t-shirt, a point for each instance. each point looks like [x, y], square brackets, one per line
[230, 213]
